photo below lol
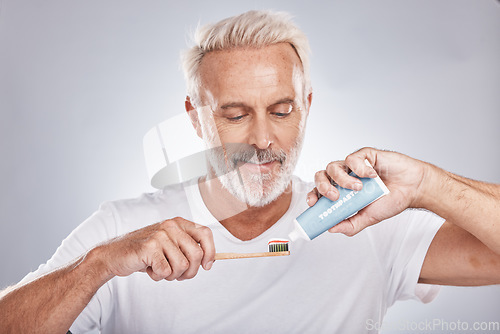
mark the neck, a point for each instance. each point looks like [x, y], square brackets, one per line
[241, 220]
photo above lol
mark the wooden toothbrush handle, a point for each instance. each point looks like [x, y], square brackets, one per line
[227, 256]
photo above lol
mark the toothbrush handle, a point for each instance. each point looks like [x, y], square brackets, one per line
[227, 256]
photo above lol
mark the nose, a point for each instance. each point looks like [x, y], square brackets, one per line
[261, 135]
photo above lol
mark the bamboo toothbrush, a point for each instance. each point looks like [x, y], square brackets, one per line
[277, 247]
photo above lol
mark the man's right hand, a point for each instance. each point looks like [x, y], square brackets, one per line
[172, 249]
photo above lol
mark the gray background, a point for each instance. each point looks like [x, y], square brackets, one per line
[81, 82]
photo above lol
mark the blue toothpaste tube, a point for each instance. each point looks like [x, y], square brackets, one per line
[325, 213]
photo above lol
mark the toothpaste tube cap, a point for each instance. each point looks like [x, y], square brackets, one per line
[298, 232]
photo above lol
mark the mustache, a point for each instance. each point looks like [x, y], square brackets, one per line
[257, 156]
[234, 153]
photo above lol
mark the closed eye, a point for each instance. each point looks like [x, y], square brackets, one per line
[282, 110]
[281, 114]
[236, 118]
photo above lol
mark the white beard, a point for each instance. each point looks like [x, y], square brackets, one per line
[255, 189]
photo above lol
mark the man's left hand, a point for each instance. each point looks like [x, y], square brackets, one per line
[404, 176]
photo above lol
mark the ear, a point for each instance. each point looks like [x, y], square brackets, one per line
[309, 101]
[193, 115]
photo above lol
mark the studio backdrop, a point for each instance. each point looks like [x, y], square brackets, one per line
[82, 82]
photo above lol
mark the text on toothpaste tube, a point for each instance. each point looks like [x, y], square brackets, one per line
[337, 204]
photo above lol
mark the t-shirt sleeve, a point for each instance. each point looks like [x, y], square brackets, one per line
[96, 229]
[402, 243]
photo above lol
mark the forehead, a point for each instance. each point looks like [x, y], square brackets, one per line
[248, 71]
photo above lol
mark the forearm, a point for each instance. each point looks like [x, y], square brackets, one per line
[52, 302]
[472, 205]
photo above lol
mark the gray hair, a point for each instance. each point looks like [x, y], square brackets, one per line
[251, 29]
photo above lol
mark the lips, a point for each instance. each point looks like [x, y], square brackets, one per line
[261, 167]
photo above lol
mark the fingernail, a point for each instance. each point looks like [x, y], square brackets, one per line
[209, 265]
[357, 186]
[330, 194]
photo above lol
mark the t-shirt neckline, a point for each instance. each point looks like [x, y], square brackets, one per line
[199, 207]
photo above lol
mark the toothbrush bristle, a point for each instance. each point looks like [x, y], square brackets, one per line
[278, 245]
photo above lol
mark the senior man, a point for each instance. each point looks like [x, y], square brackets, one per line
[249, 96]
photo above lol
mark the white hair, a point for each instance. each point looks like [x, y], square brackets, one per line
[251, 29]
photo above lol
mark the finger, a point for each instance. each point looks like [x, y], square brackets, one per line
[338, 171]
[204, 236]
[355, 224]
[159, 267]
[344, 227]
[176, 259]
[152, 274]
[356, 162]
[324, 186]
[312, 197]
[190, 236]
[194, 254]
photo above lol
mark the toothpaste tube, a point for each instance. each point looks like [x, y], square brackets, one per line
[326, 213]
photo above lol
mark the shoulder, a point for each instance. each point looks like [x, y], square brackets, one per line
[410, 228]
[170, 194]
[147, 208]
[410, 219]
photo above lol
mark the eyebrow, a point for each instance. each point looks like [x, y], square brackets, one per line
[230, 105]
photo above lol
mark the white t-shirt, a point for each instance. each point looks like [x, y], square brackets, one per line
[333, 284]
